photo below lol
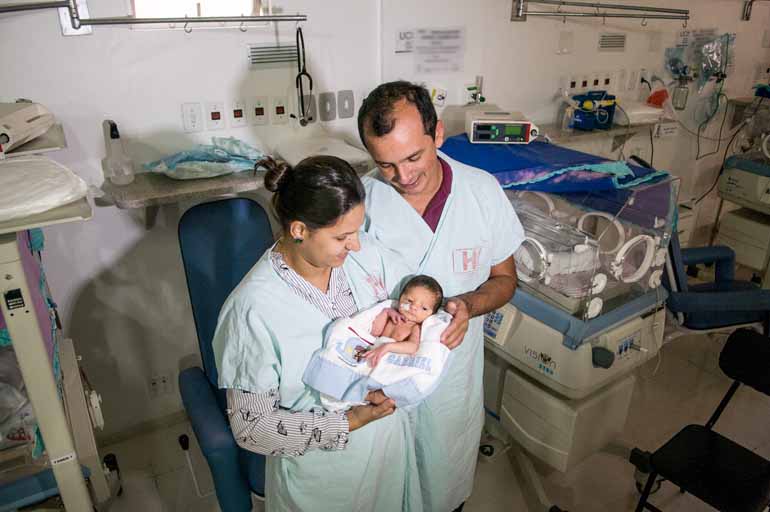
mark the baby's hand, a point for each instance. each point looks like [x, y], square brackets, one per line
[374, 355]
[395, 316]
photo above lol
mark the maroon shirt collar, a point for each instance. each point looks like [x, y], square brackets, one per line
[435, 207]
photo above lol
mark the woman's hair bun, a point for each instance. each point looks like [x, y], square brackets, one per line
[277, 173]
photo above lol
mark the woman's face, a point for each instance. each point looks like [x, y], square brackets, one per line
[329, 246]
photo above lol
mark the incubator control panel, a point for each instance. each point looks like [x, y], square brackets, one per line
[498, 323]
[746, 189]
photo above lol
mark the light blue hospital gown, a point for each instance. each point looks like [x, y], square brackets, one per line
[477, 230]
[264, 340]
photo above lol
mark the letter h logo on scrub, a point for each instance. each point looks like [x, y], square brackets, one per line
[466, 260]
[378, 286]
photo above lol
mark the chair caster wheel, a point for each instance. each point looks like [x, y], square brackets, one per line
[487, 450]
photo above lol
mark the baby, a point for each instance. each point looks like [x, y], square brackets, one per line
[422, 297]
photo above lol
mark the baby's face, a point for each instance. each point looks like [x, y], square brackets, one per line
[417, 303]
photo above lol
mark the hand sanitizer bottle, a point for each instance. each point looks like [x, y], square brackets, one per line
[120, 168]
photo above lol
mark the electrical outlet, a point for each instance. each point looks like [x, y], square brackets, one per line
[160, 384]
[280, 111]
[259, 111]
[166, 384]
[644, 75]
[192, 117]
[573, 85]
[584, 83]
[215, 119]
[154, 386]
[238, 114]
[608, 81]
[327, 106]
[621, 80]
[345, 104]
[633, 81]
[596, 81]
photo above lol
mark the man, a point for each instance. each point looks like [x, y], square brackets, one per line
[454, 223]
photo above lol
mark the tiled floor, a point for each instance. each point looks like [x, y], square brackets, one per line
[683, 387]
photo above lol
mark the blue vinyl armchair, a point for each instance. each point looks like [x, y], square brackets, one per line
[722, 304]
[220, 241]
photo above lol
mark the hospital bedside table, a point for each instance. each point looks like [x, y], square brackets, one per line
[151, 190]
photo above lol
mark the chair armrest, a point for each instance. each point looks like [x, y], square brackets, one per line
[704, 302]
[207, 419]
[721, 255]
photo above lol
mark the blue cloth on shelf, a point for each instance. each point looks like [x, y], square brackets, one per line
[225, 155]
[547, 167]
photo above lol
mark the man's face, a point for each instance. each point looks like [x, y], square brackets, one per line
[407, 155]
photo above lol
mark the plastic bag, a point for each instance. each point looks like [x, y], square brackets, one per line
[676, 63]
[226, 155]
[30, 185]
[713, 59]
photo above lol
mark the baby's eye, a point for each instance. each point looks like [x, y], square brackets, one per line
[424, 308]
[340, 238]
[414, 158]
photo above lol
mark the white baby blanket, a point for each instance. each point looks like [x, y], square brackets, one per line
[336, 373]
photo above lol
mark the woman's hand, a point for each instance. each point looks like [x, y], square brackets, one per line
[379, 407]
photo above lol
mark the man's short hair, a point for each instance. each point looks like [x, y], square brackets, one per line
[376, 112]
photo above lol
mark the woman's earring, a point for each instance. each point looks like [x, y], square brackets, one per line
[298, 240]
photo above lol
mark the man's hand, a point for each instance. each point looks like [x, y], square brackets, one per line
[454, 334]
[492, 294]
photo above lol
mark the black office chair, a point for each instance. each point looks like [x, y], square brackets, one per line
[706, 464]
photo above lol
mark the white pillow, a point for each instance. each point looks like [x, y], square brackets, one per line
[295, 150]
[30, 185]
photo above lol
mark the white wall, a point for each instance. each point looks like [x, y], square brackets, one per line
[120, 287]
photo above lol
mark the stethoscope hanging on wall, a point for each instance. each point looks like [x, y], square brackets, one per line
[302, 76]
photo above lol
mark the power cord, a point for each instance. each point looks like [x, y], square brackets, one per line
[621, 156]
[652, 149]
[724, 158]
[698, 156]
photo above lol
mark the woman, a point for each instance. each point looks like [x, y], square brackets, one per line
[319, 270]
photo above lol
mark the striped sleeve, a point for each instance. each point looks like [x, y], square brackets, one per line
[260, 425]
